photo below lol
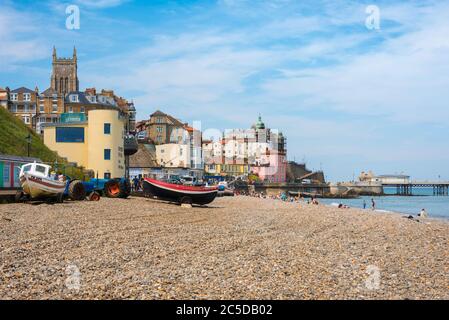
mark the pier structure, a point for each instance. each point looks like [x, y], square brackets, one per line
[406, 189]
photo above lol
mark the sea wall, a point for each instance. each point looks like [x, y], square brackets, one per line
[359, 188]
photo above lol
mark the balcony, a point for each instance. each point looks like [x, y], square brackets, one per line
[130, 144]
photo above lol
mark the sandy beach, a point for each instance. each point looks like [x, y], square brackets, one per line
[237, 248]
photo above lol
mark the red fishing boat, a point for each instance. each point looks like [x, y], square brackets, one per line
[178, 192]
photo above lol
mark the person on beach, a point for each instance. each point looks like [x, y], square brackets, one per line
[373, 204]
[364, 204]
[136, 183]
[61, 177]
[423, 214]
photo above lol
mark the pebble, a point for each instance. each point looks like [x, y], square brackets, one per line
[237, 248]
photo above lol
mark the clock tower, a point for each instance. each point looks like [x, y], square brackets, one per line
[64, 77]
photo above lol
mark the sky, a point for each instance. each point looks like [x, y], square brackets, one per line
[349, 97]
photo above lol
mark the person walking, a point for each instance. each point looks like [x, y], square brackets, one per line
[373, 204]
[364, 204]
[136, 184]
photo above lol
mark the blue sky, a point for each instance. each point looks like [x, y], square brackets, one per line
[348, 98]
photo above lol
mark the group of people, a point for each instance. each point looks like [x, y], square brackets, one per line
[137, 184]
[373, 204]
[282, 196]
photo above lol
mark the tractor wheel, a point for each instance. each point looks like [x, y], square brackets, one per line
[112, 189]
[77, 191]
[125, 189]
[94, 196]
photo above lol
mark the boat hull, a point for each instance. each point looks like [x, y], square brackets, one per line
[38, 188]
[179, 193]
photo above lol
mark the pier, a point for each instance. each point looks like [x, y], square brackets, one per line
[406, 189]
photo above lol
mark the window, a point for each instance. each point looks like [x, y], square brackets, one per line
[54, 108]
[16, 176]
[107, 154]
[70, 109]
[107, 128]
[26, 108]
[6, 174]
[82, 109]
[74, 98]
[107, 175]
[41, 169]
[13, 96]
[41, 108]
[159, 129]
[70, 134]
[26, 120]
[26, 97]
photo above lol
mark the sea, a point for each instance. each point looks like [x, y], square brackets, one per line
[423, 198]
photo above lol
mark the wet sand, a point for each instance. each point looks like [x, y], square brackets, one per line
[238, 248]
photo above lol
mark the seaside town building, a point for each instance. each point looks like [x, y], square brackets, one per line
[4, 98]
[171, 144]
[63, 96]
[95, 141]
[23, 103]
[258, 150]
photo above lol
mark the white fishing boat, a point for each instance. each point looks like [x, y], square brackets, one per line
[37, 183]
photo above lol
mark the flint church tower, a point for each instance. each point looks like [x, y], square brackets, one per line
[64, 77]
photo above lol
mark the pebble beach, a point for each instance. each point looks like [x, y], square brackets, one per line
[236, 248]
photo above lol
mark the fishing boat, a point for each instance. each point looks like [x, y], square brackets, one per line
[179, 193]
[37, 183]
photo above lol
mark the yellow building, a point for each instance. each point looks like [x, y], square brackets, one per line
[95, 143]
[234, 170]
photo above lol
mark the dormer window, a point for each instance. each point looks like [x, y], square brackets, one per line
[93, 99]
[13, 96]
[74, 98]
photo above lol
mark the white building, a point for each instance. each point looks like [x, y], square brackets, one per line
[173, 155]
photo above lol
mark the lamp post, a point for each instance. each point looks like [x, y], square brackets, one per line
[28, 139]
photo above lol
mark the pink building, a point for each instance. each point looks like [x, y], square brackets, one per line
[273, 167]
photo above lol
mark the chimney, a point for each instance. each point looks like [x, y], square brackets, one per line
[91, 91]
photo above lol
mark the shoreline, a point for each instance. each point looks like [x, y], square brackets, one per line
[378, 211]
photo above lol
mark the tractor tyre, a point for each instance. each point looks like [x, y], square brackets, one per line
[77, 191]
[125, 188]
[112, 189]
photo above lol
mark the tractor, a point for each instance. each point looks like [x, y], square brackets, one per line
[92, 190]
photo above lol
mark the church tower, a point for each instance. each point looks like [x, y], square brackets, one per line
[64, 77]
